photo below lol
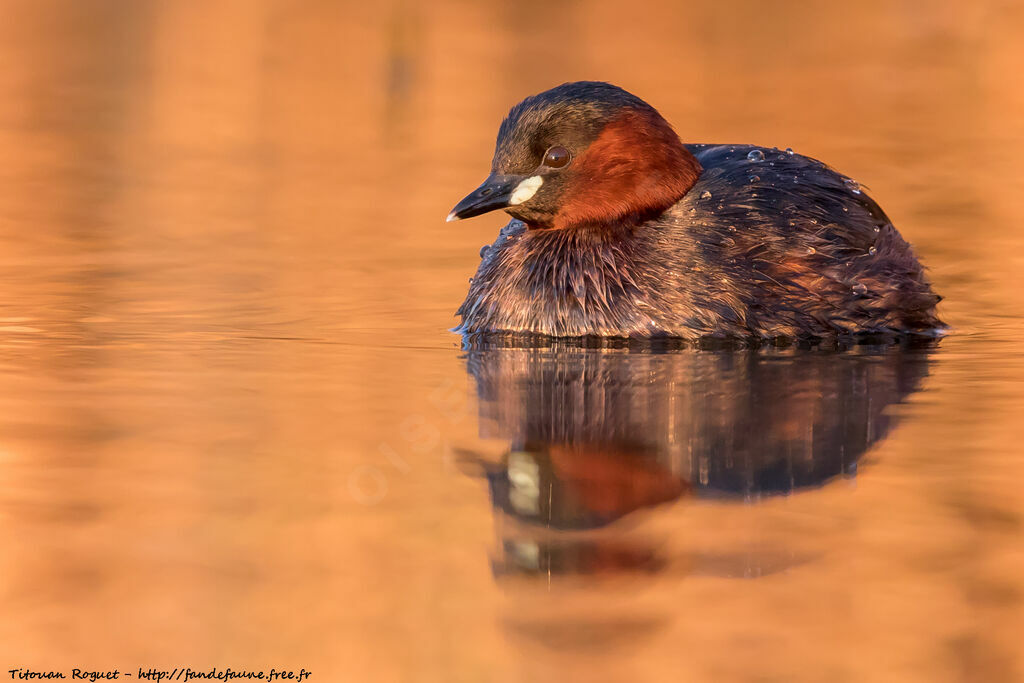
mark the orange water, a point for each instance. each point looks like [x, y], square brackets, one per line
[235, 430]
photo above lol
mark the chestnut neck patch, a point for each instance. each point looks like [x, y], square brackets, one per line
[636, 168]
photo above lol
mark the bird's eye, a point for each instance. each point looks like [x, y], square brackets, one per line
[556, 157]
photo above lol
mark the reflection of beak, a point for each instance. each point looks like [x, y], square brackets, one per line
[497, 192]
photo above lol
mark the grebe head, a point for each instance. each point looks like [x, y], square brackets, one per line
[584, 153]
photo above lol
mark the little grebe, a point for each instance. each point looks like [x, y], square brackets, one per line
[621, 230]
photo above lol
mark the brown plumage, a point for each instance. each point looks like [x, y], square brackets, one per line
[639, 235]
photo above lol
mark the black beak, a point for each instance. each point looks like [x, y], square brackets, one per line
[495, 193]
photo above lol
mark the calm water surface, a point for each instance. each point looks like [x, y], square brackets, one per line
[235, 430]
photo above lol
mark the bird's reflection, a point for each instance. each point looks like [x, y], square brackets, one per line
[595, 435]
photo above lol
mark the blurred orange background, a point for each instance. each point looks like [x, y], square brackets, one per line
[230, 398]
